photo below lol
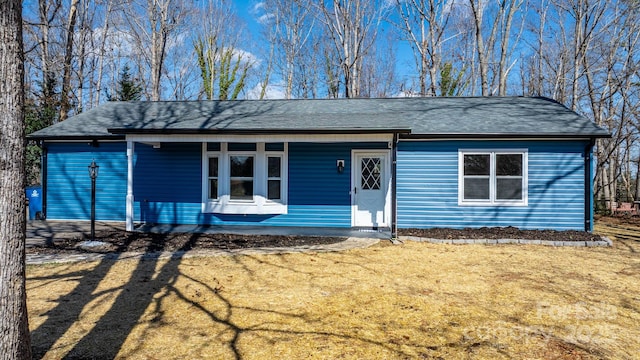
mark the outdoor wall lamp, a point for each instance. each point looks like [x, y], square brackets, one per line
[93, 170]
[340, 166]
[93, 174]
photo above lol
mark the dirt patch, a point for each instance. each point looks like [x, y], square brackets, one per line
[122, 241]
[501, 233]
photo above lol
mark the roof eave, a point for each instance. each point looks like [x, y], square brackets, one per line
[75, 137]
[125, 131]
[504, 136]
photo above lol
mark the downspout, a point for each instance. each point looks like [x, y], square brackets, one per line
[394, 210]
[129, 200]
[588, 186]
[43, 179]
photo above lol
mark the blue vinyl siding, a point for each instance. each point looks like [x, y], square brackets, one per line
[168, 186]
[167, 183]
[69, 186]
[427, 186]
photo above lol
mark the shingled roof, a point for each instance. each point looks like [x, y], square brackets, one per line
[430, 117]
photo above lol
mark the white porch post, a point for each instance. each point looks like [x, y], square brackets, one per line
[130, 150]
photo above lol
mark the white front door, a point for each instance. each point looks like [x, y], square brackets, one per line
[370, 190]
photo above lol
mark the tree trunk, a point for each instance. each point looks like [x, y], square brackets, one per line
[101, 55]
[504, 47]
[637, 190]
[483, 61]
[65, 104]
[158, 16]
[577, 53]
[14, 327]
[44, 28]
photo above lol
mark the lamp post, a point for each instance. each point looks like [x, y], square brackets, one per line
[93, 173]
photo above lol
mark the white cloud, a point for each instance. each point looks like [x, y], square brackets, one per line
[273, 91]
[265, 19]
[246, 57]
[258, 6]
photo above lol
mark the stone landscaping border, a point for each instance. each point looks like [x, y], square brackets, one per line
[604, 242]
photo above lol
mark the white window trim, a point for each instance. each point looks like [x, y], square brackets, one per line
[260, 204]
[492, 178]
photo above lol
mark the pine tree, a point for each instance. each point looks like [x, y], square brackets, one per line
[128, 89]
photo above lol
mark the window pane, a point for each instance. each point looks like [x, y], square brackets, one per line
[215, 146]
[370, 173]
[213, 167]
[241, 166]
[213, 188]
[274, 167]
[476, 164]
[509, 189]
[274, 190]
[476, 189]
[241, 146]
[274, 146]
[509, 164]
[242, 189]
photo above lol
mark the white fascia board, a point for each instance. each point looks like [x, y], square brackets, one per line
[262, 138]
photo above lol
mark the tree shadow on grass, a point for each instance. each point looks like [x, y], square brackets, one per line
[106, 338]
[70, 306]
[140, 300]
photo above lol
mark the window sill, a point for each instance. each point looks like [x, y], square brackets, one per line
[244, 208]
[493, 204]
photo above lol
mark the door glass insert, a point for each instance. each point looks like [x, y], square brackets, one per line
[371, 173]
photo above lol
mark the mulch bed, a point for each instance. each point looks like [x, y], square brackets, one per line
[122, 241]
[500, 233]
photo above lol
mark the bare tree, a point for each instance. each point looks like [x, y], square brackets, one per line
[65, 104]
[223, 70]
[290, 26]
[160, 26]
[379, 78]
[47, 13]
[223, 66]
[152, 24]
[500, 28]
[424, 23]
[14, 326]
[104, 34]
[353, 27]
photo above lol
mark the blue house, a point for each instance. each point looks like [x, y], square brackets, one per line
[349, 163]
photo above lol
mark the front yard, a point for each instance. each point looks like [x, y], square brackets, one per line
[415, 300]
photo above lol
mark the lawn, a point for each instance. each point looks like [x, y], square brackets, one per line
[415, 300]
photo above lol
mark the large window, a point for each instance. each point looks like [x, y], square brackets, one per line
[492, 177]
[245, 178]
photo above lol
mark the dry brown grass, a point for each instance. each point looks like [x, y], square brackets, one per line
[416, 300]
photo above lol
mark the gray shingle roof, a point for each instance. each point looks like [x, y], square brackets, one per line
[421, 117]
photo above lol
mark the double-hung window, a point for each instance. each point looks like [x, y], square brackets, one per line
[213, 177]
[245, 178]
[274, 177]
[492, 177]
[241, 172]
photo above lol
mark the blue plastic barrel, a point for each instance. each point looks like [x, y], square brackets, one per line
[34, 194]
